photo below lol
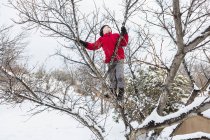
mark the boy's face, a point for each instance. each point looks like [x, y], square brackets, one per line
[106, 29]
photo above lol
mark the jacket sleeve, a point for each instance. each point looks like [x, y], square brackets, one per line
[94, 46]
[124, 40]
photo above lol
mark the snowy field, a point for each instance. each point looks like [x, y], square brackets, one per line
[17, 124]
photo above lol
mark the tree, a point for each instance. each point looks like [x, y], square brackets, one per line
[11, 48]
[150, 83]
[181, 26]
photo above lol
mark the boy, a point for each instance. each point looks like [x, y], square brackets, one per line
[108, 42]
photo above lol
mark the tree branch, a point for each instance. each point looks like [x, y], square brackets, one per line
[192, 44]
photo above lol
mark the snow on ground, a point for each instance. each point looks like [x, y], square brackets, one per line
[166, 132]
[190, 136]
[159, 119]
[206, 113]
[17, 124]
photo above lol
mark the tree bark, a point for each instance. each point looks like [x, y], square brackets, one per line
[177, 59]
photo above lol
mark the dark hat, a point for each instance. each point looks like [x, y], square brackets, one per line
[101, 30]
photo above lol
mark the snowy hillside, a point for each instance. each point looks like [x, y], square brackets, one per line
[17, 124]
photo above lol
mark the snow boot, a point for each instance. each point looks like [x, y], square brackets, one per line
[106, 95]
[120, 96]
[113, 91]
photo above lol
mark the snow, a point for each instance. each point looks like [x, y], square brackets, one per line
[159, 119]
[191, 136]
[206, 113]
[195, 87]
[199, 32]
[18, 124]
[165, 133]
[52, 125]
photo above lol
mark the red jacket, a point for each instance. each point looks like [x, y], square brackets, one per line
[108, 42]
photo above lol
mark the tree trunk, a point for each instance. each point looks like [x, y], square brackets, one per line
[169, 80]
[177, 59]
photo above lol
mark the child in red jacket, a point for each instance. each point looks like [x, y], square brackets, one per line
[107, 42]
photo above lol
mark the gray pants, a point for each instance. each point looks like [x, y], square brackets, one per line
[116, 74]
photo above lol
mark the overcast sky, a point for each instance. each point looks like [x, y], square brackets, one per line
[40, 48]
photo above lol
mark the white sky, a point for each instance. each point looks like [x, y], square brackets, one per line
[40, 48]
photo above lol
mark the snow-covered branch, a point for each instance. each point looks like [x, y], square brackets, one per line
[197, 40]
[154, 121]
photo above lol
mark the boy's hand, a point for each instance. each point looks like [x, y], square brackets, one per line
[83, 43]
[123, 30]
